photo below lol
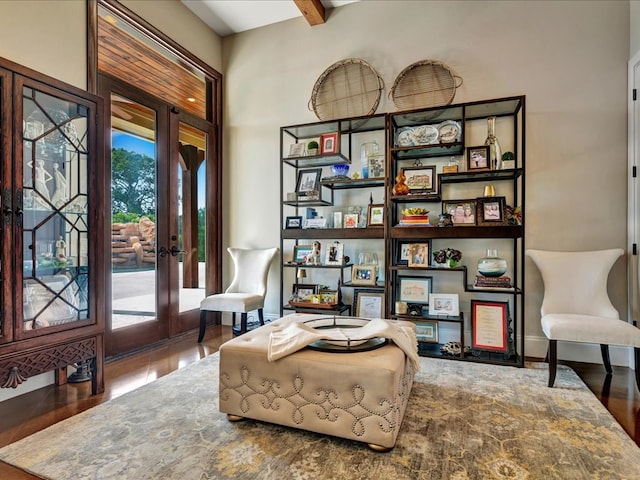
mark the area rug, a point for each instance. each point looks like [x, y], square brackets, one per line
[463, 421]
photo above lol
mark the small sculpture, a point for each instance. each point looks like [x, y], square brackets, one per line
[314, 258]
[61, 250]
[400, 188]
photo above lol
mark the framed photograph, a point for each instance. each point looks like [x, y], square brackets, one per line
[427, 331]
[489, 325]
[334, 254]
[293, 222]
[421, 179]
[363, 275]
[414, 289]
[304, 291]
[296, 150]
[490, 211]
[351, 220]
[329, 143]
[402, 252]
[329, 297]
[375, 217]
[463, 212]
[308, 181]
[444, 304]
[419, 255]
[368, 303]
[376, 166]
[478, 158]
[301, 253]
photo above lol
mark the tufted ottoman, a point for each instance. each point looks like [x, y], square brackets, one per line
[359, 396]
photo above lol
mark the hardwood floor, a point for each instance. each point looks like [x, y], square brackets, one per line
[34, 411]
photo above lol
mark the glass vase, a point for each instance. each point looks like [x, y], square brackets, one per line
[495, 152]
[492, 265]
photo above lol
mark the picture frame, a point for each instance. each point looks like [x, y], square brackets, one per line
[375, 215]
[301, 253]
[293, 222]
[463, 212]
[491, 211]
[478, 158]
[329, 297]
[376, 166]
[363, 274]
[329, 143]
[427, 331]
[402, 252]
[304, 290]
[489, 325]
[419, 255]
[368, 303]
[296, 150]
[351, 220]
[414, 289]
[337, 220]
[334, 254]
[421, 179]
[444, 304]
[308, 181]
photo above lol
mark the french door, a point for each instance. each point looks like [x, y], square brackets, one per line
[158, 217]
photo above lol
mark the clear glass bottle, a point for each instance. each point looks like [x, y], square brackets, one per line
[366, 150]
[495, 152]
[492, 265]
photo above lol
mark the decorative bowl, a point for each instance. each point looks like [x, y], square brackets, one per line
[340, 169]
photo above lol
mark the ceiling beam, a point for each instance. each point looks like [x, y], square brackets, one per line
[313, 11]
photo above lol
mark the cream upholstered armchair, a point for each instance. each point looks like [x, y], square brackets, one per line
[247, 290]
[576, 306]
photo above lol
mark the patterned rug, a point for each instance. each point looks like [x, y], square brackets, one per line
[463, 421]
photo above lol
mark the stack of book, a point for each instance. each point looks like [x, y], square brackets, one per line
[492, 282]
[415, 220]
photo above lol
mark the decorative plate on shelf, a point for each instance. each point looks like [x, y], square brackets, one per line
[449, 131]
[404, 137]
[425, 135]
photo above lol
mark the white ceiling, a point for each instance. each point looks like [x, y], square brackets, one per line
[226, 17]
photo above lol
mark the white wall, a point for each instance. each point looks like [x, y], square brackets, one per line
[568, 57]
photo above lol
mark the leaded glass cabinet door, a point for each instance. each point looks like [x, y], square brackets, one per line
[52, 217]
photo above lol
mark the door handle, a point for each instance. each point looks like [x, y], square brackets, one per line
[163, 252]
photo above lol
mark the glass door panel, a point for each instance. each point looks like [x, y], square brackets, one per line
[191, 217]
[54, 211]
[133, 192]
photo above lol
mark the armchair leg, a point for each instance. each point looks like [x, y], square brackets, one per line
[553, 361]
[261, 316]
[604, 349]
[636, 354]
[203, 325]
[243, 323]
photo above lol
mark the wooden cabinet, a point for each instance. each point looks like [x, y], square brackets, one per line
[441, 151]
[52, 228]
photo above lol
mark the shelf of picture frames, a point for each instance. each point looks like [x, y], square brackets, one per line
[308, 203]
[501, 231]
[348, 183]
[426, 151]
[439, 318]
[311, 265]
[329, 233]
[316, 160]
[377, 286]
[481, 176]
[416, 197]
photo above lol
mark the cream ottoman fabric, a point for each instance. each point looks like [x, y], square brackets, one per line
[359, 396]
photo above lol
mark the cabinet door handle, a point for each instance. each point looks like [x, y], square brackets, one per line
[7, 210]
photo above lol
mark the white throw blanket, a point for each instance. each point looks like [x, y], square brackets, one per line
[290, 339]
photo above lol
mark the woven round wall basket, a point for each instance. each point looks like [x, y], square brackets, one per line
[348, 88]
[424, 84]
